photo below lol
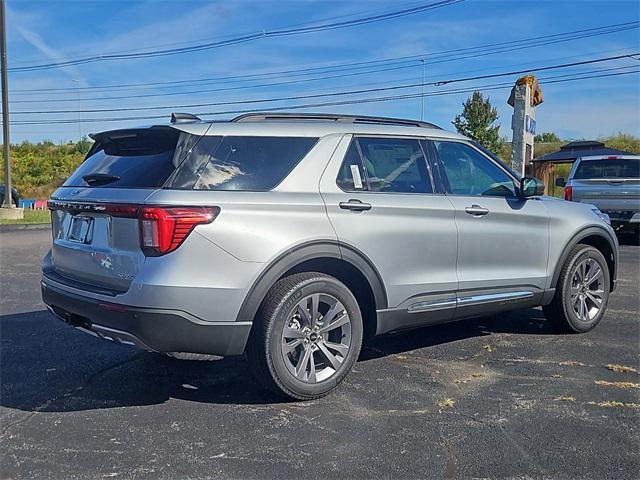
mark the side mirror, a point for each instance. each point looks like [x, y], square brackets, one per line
[560, 182]
[531, 187]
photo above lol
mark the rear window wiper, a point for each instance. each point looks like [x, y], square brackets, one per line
[94, 179]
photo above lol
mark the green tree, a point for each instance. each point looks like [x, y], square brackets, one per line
[623, 141]
[506, 150]
[477, 122]
[547, 137]
[84, 145]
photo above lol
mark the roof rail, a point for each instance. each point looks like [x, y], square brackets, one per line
[184, 118]
[252, 117]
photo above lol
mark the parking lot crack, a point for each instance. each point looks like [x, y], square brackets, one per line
[22, 420]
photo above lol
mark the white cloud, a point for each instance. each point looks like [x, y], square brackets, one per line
[36, 41]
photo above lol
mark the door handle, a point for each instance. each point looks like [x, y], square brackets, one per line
[355, 205]
[476, 210]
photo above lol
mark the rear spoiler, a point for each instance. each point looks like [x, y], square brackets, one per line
[110, 136]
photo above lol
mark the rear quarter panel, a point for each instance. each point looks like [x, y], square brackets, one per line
[260, 226]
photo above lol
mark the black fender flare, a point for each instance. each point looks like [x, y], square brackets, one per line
[576, 239]
[308, 251]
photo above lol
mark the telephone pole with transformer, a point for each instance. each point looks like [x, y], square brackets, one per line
[8, 209]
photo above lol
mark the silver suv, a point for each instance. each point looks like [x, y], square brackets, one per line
[292, 237]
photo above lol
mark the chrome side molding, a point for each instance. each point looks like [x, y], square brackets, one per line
[493, 297]
[431, 305]
[462, 301]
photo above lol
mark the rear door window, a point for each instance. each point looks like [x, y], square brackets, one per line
[385, 165]
[240, 163]
[612, 168]
[132, 159]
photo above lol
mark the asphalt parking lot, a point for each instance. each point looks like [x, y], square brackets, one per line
[496, 397]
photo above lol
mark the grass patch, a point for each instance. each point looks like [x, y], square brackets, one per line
[565, 398]
[446, 403]
[30, 217]
[572, 363]
[618, 384]
[621, 368]
[613, 404]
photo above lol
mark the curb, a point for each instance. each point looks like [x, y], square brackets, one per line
[24, 226]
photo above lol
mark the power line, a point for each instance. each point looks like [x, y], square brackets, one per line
[217, 90]
[277, 99]
[321, 95]
[539, 69]
[23, 61]
[210, 90]
[402, 62]
[242, 39]
[503, 85]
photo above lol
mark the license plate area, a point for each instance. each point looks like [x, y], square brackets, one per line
[80, 229]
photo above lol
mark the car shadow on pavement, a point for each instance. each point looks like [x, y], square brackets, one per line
[628, 238]
[518, 322]
[46, 366]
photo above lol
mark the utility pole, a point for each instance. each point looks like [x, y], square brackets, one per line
[422, 96]
[77, 82]
[7, 203]
[7, 210]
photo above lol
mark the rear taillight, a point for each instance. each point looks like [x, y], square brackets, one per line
[163, 229]
[568, 193]
[118, 210]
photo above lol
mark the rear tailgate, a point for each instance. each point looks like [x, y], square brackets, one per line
[96, 235]
[93, 246]
[610, 183]
[608, 194]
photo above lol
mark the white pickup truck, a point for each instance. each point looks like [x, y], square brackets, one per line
[611, 183]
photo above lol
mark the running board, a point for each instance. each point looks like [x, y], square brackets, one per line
[442, 308]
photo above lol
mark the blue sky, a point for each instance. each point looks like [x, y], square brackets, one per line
[53, 31]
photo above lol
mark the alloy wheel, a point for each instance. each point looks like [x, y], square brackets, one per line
[316, 338]
[587, 292]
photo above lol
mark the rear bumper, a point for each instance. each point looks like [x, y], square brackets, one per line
[623, 216]
[166, 331]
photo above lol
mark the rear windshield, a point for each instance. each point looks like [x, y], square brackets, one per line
[613, 168]
[240, 163]
[133, 159]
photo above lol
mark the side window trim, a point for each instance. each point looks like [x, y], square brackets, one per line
[426, 166]
[445, 180]
[431, 156]
[353, 142]
[356, 140]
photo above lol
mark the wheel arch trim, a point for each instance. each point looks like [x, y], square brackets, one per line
[576, 239]
[302, 253]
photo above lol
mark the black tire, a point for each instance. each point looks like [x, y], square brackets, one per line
[561, 310]
[265, 346]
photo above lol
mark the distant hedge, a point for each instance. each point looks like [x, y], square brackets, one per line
[37, 169]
